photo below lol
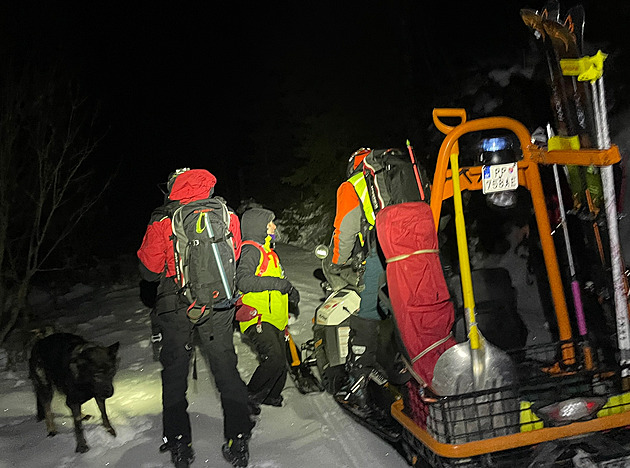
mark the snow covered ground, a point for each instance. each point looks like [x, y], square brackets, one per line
[308, 431]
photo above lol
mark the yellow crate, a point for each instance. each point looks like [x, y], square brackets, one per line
[616, 404]
[529, 420]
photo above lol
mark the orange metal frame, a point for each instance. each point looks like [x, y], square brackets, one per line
[529, 177]
[497, 444]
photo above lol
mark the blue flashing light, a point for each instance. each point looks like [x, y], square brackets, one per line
[495, 144]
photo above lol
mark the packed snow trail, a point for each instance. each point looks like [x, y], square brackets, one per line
[308, 431]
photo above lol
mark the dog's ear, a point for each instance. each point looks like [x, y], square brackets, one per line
[113, 349]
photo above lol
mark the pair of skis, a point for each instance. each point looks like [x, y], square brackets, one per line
[571, 99]
[581, 121]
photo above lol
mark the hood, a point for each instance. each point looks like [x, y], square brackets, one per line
[254, 224]
[192, 185]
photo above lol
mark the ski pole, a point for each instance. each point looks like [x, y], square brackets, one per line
[415, 169]
[575, 285]
[595, 74]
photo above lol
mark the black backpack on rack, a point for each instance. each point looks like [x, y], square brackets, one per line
[391, 179]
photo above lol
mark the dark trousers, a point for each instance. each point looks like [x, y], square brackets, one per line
[215, 342]
[271, 374]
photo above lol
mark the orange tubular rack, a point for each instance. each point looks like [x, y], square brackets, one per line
[529, 177]
[507, 442]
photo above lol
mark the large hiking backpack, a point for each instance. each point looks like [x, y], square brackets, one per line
[204, 256]
[391, 178]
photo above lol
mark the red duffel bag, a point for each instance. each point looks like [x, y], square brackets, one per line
[419, 296]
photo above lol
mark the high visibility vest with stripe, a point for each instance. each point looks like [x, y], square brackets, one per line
[272, 304]
[360, 187]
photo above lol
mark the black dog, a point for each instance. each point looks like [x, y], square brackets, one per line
[81, 370]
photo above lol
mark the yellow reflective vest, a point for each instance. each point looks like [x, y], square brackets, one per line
[360, 186]
[272, 305]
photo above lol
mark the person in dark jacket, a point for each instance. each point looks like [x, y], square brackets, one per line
[157, 264]
[261, 279]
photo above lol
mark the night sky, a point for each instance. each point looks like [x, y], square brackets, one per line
[205, 84]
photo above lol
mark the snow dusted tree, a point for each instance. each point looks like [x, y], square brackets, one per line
[46, 187]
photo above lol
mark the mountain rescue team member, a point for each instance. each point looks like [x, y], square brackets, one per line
[266, 293]
[157, 264]
[354, 231]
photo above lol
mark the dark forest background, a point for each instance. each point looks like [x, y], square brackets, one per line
[271, 97]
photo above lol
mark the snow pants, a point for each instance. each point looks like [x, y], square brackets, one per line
[372, 281]
[271, 374]
[363, 340]
[215, 342]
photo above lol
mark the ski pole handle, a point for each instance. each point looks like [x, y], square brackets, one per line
[415, 169]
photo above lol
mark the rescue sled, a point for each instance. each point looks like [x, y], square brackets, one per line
[567, 407]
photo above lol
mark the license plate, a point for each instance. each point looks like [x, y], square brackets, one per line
[622, 462]
[500, 177]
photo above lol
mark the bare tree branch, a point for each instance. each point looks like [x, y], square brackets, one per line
[46, 185]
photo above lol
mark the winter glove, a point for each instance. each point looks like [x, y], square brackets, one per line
[341, 275]
[294, 296]
[148, 293]
[286, 287]
[294, 311]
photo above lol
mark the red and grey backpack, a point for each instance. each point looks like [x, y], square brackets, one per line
[204, 256]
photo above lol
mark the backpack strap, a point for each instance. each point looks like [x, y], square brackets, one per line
[360, 186]
[178, 259]
[264, 261]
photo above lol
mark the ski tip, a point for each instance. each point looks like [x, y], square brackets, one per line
[532, 19]
[528, 12]
[408, 142]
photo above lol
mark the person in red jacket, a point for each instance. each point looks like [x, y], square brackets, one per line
[157, 264]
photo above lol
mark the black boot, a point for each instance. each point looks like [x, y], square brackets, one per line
[182, 453]
[167, 445]
[236, 450]
[361, 359]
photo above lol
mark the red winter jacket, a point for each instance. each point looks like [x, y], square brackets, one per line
[156, 254]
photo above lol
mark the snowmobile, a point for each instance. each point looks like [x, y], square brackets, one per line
[328, 348]
[551, 404]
